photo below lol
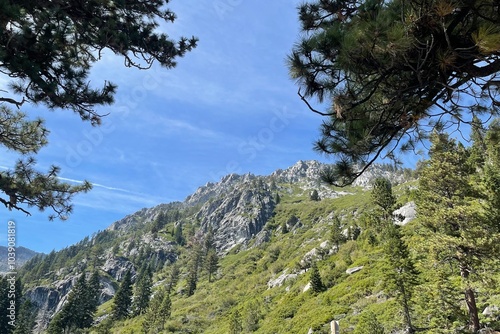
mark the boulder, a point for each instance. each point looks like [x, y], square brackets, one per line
[353, 270]
[405, 214]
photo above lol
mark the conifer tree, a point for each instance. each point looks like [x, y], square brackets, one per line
[157, 313]
[194, 265]
[336, 234]
[142, 290]
[123, 298]
[490, 176]
[317, 285]
[368, 323]
[165, 311]
[25, 320]
[457, 228]
[314, 196]
[178, 237]
[383, 197]
[277, 198]
[78, 311]
[401, 276]
[159, 222]
[209, 241]
[211, 263]
[4, 305]
[173, 277]
[92, 299]
[284, 228]
[388, 89]
[48, 50]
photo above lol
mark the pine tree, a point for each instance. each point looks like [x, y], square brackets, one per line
[178, 237]
[192, 278]
[4, 305]
[165, 311]
[173, 277]
[25, 320]
[209, 242]
[380, 89]
[284, 228]
[142, 290]
[157, 313]
[91, 299]
[456, 225]
[76, 312]
[401, 276]
[490, 176]
[123, 298]
[277, 199]
[211, 263]
[314, 196]
[159, 222]
[336, 234]
[383, 197]
[48, 51]
[315, 279]
[193, 268]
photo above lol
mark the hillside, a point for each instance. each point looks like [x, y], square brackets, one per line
[267, 233]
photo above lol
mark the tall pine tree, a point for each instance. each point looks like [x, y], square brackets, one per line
[317, 285]
[142, 290]
[401, 276]
[457, 229]
[79, 309]
[157, 313]
[123, 298]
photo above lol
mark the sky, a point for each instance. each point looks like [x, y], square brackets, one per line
[228, 107]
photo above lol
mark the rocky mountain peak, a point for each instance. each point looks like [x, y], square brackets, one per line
[301, 170]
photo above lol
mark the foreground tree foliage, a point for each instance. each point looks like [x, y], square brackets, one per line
[391, 71]
[459, 215]
[47, 51]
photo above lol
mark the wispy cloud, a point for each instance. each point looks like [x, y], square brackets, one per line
[97, 185]
[109, 197]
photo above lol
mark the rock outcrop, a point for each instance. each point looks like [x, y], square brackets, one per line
[405, 214]
[237, 215]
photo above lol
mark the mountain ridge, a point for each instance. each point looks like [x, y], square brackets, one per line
[240, 211]
[23, 255]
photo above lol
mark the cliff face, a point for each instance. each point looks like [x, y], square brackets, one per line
[238, 214]
[236, 210]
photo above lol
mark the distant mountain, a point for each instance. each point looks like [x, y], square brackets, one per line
[22, 256]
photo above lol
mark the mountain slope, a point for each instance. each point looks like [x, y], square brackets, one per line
[267, 231]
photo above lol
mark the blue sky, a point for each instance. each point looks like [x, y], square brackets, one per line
[229, 106]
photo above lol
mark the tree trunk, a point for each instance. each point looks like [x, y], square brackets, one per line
[406, 311]
[470, 300]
